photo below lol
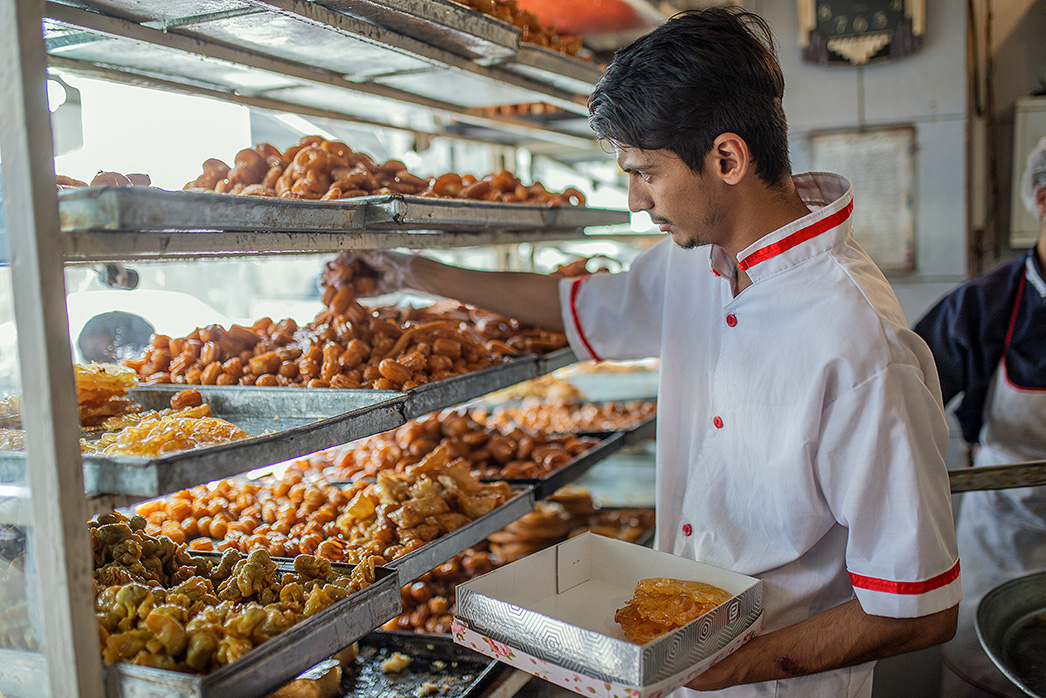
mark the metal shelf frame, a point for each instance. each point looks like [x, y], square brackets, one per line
[59, 545]
[126, 223]
[243, 55]
[208, 50]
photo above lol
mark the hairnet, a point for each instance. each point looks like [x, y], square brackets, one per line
[1034, 175]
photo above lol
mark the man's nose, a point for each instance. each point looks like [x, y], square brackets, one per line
[638, 198]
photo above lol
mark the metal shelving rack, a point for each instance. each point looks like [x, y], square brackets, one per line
[355, 60]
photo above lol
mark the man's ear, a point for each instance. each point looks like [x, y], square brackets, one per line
[730, 158]
[1040, 200]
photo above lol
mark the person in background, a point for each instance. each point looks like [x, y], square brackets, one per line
[988, 339]
[112, 336]
[801, 433]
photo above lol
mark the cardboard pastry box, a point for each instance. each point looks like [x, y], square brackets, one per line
[551, 614]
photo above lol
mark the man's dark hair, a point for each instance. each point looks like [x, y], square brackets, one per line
[701, 74]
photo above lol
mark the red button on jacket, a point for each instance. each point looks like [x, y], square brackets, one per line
[687, 530]
[718, 421]
[731, 319]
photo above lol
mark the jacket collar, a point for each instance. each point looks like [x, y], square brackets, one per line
[830, 200]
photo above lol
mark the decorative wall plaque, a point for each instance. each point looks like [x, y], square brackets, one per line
[857, 32]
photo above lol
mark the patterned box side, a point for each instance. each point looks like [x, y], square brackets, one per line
[606, 658]
[575, 648]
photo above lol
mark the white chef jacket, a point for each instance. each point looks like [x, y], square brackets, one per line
[801, 435]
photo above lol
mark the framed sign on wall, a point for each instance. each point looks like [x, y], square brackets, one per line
[856, 32]
[881, 165]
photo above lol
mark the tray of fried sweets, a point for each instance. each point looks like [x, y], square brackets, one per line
[234, 429]
[148, 209]
[493, 451]
[178, 623]
[150, 448]
[407, 212]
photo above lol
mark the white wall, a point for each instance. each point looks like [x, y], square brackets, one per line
[926, 90]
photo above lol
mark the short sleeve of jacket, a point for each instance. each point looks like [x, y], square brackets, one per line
[881, 468]
[617, 316]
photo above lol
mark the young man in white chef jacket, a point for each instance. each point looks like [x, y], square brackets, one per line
[800, 434]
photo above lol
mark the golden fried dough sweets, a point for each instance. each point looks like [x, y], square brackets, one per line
[101, 391]
[323, 170]
[12, 440]
[661, 604]
[126, 420]
[637, 628]
[11, 412]
[159, 606]
[157, 435]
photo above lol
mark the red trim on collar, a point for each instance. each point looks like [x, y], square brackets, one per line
[891, 587]
[574, 288]
[799, 236]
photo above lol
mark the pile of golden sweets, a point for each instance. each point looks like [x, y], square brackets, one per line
[11, 412]
[12, 437]
[301, 512]
[661, 604]
[16, 630]
[568, 416]
[428, 603]
[105, 179]
[158, 605]
[534, 31]
[101, 392]
[491, 452]
[325, 170]
[104, 404]
[525, 109]
[345, 346]
[499, 333]
[105, 407]
[567, 513]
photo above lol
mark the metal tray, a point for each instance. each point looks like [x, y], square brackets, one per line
[435, 553]
[457, 389]
[547, 363]
[264, 54]
[112, 223]
[401, 212]
[458, 671]
[556, 69]
[998, 477]
[647, 429]
[298, 421]
[151, 209]
[575, 468]
[1011, 626]
[441, 23]
[273, 663]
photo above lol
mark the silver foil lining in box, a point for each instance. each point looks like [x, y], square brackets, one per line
[607, 658]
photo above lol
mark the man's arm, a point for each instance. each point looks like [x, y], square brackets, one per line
[839, 637]
[530, 298]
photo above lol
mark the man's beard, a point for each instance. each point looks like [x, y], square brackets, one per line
[711, 221]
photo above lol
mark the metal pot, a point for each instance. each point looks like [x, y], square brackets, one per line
[1011, 626]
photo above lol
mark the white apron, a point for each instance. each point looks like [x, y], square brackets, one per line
[1001, 533]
